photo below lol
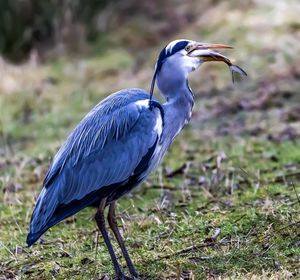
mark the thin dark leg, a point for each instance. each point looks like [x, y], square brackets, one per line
[99, 217]
[114, 227]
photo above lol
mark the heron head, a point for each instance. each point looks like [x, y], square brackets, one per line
[186, 55]
[180, 57]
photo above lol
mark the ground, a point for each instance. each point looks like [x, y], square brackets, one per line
[225, 202]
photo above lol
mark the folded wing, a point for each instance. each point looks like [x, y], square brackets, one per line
[109, 149]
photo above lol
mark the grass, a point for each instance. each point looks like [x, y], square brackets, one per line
[225, 202]
[169, 224]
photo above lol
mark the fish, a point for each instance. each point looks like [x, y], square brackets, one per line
[236, 69]
[216, 56]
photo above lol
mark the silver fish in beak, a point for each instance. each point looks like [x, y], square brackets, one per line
[206, 52]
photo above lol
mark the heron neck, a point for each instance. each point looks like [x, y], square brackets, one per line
[182, 101]
[173, 85]
[178, 108]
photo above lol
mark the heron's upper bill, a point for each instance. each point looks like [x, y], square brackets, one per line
[205, 46]
[207, 52]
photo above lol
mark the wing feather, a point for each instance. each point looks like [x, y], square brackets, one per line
[103, 150]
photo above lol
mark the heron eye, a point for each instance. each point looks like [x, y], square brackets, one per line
[188, 48]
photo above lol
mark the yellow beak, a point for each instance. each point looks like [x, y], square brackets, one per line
[210, 46]
[205, 51]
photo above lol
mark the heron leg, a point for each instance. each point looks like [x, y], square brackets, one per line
[114, 227]
[100, 220]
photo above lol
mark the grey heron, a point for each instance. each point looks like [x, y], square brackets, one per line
[118, 143]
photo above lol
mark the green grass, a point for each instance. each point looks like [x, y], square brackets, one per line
[169, 222]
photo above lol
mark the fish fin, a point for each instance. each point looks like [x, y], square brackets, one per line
[236, 69]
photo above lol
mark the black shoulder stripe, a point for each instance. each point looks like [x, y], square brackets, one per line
[156, 104]
[144, 162]
[166, 53]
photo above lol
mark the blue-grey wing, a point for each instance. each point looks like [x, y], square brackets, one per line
[114, 142]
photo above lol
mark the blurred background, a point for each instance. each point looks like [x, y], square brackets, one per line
[58, 58]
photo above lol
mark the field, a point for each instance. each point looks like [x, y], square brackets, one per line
[224, 204]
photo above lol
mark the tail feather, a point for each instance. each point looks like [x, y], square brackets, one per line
[45, 207]
[43, 219]
[33, 237]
